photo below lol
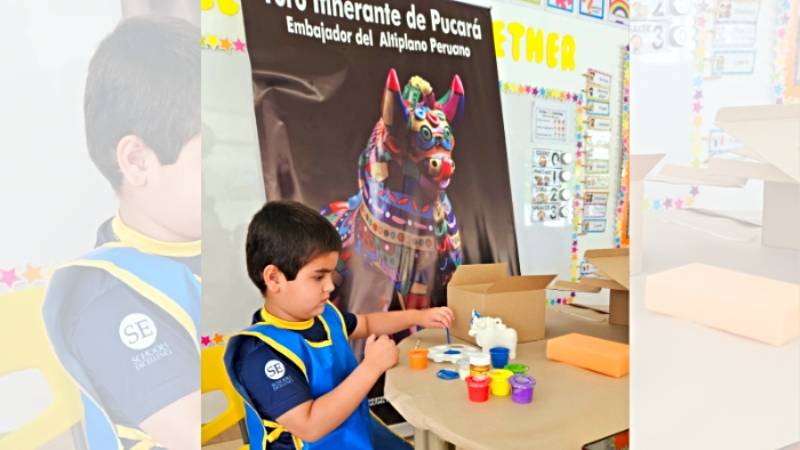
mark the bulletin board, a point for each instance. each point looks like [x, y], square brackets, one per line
[555, 74]
[705, 56]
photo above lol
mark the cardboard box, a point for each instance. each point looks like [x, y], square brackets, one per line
[613, 274]
[771, 138]
[487, 288]
[641, 165]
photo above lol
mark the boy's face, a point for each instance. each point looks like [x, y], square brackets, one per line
[176, 190]
[306, 295]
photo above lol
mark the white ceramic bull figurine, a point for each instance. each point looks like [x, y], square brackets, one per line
[491, 332]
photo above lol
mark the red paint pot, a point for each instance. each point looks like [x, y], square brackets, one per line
[478, 388]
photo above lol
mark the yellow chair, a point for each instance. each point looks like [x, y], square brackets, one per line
[213, 377]
[23, 335]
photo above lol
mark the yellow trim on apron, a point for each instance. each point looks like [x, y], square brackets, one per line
[341, 317]
[270, 319]
[147, 291]
[283, 350]
[131, 238]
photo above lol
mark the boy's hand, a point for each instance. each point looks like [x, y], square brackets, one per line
[436, 317]
[380, 353]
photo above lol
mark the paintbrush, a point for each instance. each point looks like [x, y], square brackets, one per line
[447, 330]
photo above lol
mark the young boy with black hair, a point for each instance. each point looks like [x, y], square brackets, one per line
[294, 367]
[123, 318]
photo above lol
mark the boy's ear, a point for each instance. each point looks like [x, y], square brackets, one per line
[134, 159]
[273, 278]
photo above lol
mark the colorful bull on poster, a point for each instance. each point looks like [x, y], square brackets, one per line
[399, 231]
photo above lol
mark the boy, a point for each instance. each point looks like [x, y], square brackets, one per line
[294, 367]
[123, 318]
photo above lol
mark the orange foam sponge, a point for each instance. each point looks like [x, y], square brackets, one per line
[600, 355]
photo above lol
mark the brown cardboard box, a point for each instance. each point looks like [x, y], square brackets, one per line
[771, 138]
[641, 165]
[488, 289]
[613, 274]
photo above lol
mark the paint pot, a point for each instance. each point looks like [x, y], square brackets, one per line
[479, 364]
[517, 368]
[499, 357]
[478, 388]
[522, 388]
[499, 384]
[418, 358]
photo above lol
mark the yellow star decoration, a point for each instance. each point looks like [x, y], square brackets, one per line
[32, 273]
[212, 41]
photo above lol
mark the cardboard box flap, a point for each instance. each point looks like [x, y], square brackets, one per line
[757, 113]
[606, 252]
[771, 131]
[478, 274]
[603, 283]
[577, 287]
[641, 165]
[690, 175]
[614, 263]
[523, 283]
[480, 288]
[748, 169]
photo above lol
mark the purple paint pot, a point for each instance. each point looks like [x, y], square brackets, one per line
[522, 388]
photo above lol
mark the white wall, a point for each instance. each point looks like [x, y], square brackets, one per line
[665, 83]
[233, 189]
[52, 198]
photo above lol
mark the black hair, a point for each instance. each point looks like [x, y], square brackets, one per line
[143, 80]
[288, 235]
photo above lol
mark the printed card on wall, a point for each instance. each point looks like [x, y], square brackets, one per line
[733, 62]
[561, 5]
[597, 182]
[550, 193]
[594, 225]
[598, 108]
[598, 138]
[597, 92]
[587, 268]
[595, 197]
[619, 12]
[599, 123]
[549, 124]
[595, 211]
[720, 142]
[734, 35]
[593, 8]
[741, 11]
[599, 78]
[549, 213]
[548, 159]
[597, 166]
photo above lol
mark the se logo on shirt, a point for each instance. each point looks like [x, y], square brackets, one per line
[274, 369]
[137, 331]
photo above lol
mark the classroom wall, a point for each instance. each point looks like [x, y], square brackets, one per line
[668, 78]
[232, 179]
[233, 189]
[43, 135]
